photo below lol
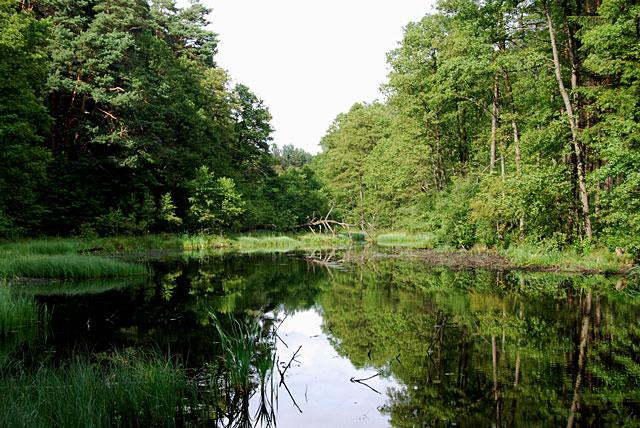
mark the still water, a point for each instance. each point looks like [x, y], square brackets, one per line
[380, 343]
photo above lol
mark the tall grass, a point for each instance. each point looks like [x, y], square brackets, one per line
[46, 247]
[76, 287]
[203, 242]
[67, 266]
[599, 259]
[128, 390]
[282, 243]
[18, 314]
[408, 240]
[248, 364]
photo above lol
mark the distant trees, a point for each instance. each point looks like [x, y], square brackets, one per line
[290, 156]
[530, 107]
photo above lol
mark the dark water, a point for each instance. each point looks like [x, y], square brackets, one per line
[384, 343]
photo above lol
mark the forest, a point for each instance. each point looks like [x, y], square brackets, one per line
[115, 120]
[462, 251]
[501, 122]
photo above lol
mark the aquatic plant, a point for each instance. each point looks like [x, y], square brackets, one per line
[247, 364]
[18, 314]
[599, 259]
[48, 247]
[76, 287]
[67, 266]
[128, 389]
[410, 240]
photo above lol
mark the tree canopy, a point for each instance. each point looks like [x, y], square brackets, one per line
[502, 121]
[110, 109]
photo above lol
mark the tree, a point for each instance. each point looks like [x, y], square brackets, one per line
[214, 202]
[24, 120]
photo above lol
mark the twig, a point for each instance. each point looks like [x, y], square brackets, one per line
[361, 382]
[288, 365]
[290, 395]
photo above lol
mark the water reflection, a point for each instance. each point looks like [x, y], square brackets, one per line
[387, 342]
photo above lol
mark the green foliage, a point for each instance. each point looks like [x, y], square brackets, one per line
[215, 202]
[473, 142]
[126, 388]
[18, 314]
[290, 156]
[23, 119]
[168, 211]
[67, 266]
[349, 141]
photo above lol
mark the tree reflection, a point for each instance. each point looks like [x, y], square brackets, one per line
[490, 349]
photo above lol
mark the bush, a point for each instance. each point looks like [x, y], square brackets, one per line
[215, 203]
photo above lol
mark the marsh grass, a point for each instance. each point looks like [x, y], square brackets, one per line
[18, 314]
[407, 240]
[67, 266]
[203, 242]
[127, 390]
[282, 243]
[248, 364]
[75, 288]
[599, 259]
[246, 347]
[42, 247]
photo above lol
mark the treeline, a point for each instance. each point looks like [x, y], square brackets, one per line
[503, 121]
[115, 119]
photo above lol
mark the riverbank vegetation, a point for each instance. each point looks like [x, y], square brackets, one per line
[503, 123]
[505, 126]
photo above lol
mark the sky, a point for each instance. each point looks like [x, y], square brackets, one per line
[310, 60]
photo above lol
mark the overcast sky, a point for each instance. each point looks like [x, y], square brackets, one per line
[310, 60]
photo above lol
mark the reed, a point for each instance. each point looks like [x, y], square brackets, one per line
[45, 247]
[128, 390]
[407, 240]
[67, 266]
[18, 314]
[599, 259]
[76, 287]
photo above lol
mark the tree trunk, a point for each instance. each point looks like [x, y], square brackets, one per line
[496, 387]
[582, 348]
[494, 125]
[573, 122]
[514, 121]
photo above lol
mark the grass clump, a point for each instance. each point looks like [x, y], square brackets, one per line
[76, 287]
[67, 266]
[42, 247]
[18, 314]
[598, 259]
[408, 240]
[266, 242]
[282, 243]
[126, 390]
[202, 242]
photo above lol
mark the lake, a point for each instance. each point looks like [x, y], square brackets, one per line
[378, 342]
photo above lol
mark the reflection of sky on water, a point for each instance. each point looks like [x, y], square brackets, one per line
[321, 384]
